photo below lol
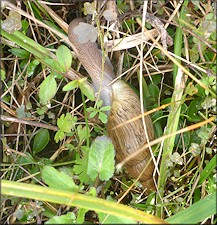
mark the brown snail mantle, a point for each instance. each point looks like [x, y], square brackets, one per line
[125, 104]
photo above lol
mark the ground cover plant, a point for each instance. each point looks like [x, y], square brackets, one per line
[58, 163]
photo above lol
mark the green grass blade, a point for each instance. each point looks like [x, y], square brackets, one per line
[197, 212]
[27, 43]
[178, 39]
[40, 193]
[208, 169]
[174, 115]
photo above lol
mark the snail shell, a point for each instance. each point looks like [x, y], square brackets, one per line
[130, 137]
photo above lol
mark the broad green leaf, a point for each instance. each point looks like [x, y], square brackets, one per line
[110, 219]
[71, 85]
[87, 90]
[48, 89]
[101, 159]
[55, 179]
[197, 212]
[41, 140]
[69, 218]
[64, 57]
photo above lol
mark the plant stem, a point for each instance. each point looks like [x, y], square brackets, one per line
[86, 120]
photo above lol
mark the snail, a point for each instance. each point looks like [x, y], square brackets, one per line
[125, 105]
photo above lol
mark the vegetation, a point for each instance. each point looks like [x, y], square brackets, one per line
[58, 165]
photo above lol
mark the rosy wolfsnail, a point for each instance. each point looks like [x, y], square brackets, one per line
[125, 105]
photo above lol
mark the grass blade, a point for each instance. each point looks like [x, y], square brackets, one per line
[197, 212]
[75, 199]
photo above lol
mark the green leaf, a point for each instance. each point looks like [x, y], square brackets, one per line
[93, 114]
[81, 215]
[197, 212]
[87, 90]
[193, 108]
[103, 117]
[69, 218]
[41, 140]
[101, 159]
[191, 89]
[82, 133]
[27, 159]
[208, 169]
[99, 103]
[105, 108]
[105, 218]
[67, 170]
[59, 136]
[66, 122]
[154, 90]
[27, 43]
[64, 57]
[55, 179]
[71, 85]
[3, 74]
[25, 26]
[80, 168]
[54, 65]
[21, 53]
[90, 109]
[48, 89]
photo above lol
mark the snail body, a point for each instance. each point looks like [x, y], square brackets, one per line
[125, 105]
